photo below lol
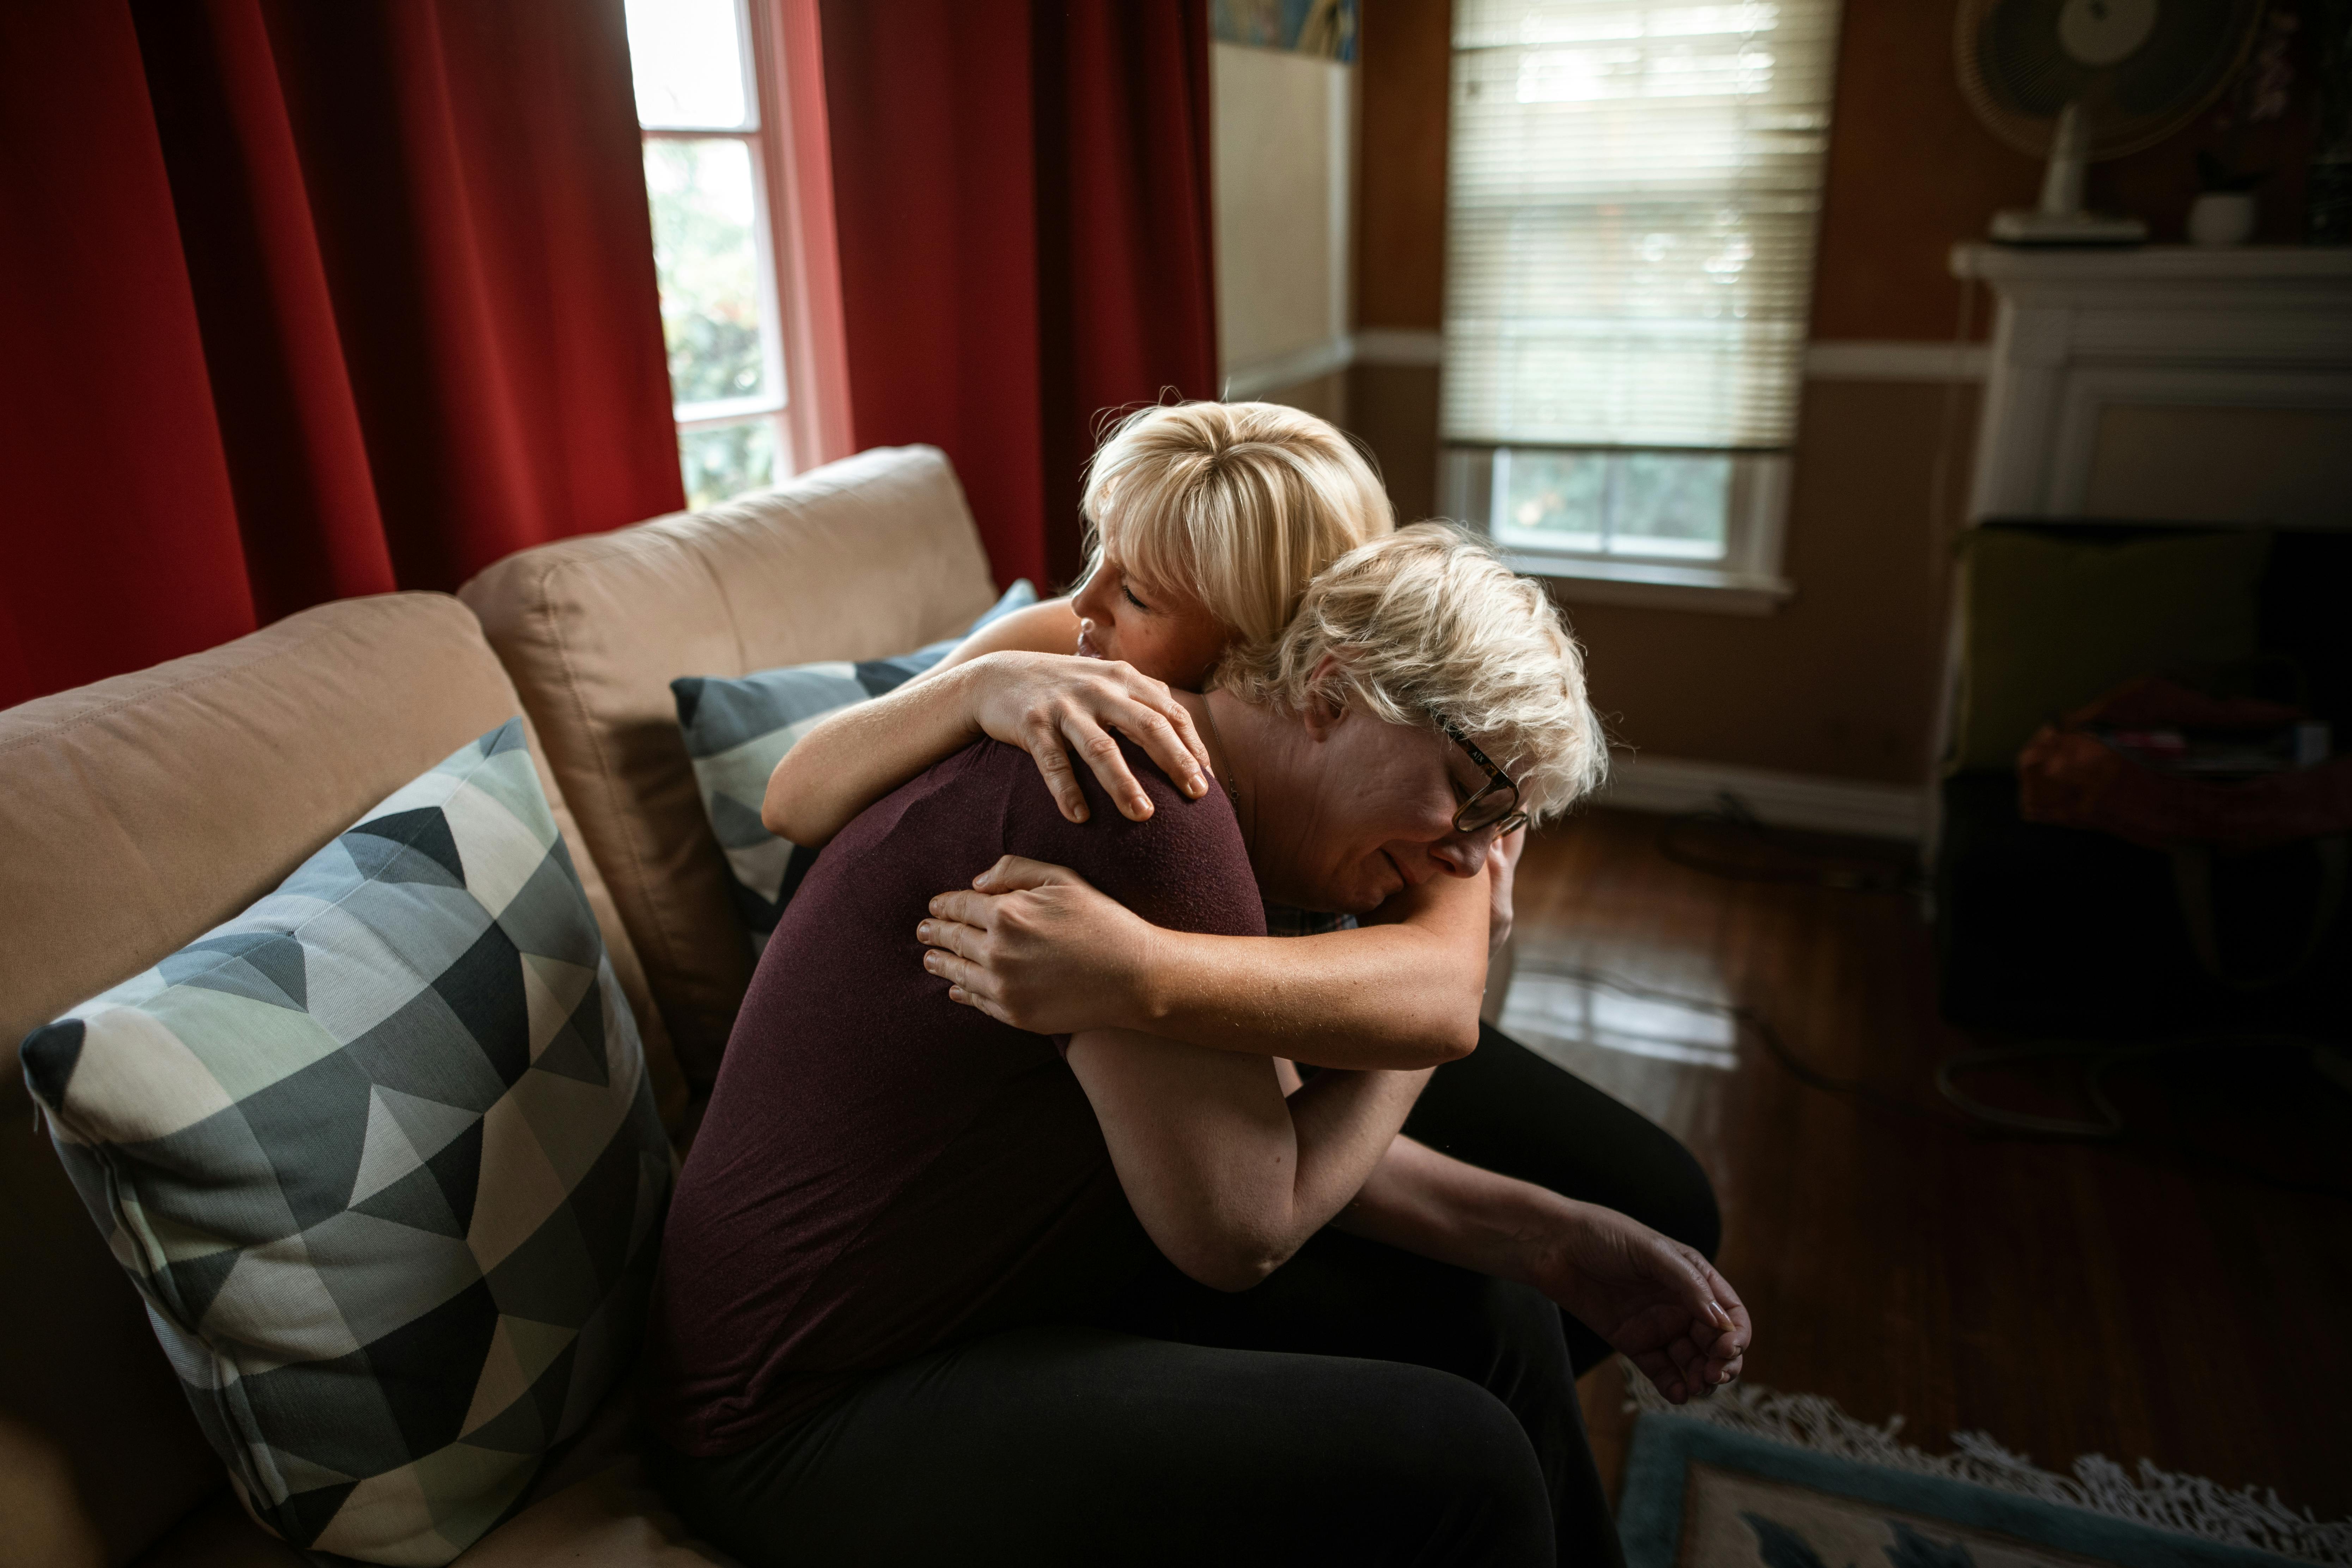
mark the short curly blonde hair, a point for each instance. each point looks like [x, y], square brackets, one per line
[1426, 627]
[1239, 504]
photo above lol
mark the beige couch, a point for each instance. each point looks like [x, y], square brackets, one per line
[137, 813]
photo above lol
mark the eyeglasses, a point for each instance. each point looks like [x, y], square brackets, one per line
[1495, 805]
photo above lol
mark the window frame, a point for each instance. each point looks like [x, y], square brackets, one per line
[803, 352]
[1745, 579]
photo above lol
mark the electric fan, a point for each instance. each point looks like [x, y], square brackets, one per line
[2085, 80]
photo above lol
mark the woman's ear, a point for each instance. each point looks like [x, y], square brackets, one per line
[1325, 706]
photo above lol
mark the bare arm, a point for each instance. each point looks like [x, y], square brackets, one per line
[1054, 954]
[1658, 1301]
[994, 683]
[1048, 627]
[1228, 1176]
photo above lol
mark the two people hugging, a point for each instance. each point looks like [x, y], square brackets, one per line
[1047, 1209]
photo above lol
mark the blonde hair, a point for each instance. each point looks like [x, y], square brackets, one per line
[1424, 626]
[1239, 504]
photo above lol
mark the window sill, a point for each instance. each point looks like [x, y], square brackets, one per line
[1653, 584]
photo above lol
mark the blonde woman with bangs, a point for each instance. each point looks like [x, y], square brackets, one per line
[1206, 524]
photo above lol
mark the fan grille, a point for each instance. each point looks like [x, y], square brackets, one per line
[2017, 77]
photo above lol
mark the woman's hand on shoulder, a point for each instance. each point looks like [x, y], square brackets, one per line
[1060, 706]
[1040, 947]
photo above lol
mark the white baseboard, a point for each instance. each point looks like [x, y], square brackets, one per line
[1641, 782]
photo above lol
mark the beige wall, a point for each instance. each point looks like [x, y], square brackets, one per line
[1282, 127]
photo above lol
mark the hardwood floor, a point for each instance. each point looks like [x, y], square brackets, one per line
[2133, 1301]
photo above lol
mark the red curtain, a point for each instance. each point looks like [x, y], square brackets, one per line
[309, 301]
[1020, 191]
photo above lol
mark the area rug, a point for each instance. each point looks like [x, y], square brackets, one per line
[1759, 1479]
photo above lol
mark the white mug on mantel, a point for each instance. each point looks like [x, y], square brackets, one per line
[2222, 218]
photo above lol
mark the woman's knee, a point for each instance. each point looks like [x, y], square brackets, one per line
[1477, 1484]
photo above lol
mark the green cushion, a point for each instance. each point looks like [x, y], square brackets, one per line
[2047, 625]
[381, 1157]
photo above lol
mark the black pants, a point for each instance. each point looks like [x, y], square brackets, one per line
[1504, 1109]
[1363, 1406]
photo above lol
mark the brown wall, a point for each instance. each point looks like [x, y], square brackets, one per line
[1841, 680]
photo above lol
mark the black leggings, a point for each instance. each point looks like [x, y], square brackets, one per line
[1504, 1109]
[1363, 1406]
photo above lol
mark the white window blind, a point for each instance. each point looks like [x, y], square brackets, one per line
[1632, 204]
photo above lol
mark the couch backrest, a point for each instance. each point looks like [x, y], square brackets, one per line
[135, 814]
[860, 559]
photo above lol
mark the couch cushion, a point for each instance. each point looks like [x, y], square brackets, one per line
[859, 559]
[136, 814]
[738, 731]
[380, 1156]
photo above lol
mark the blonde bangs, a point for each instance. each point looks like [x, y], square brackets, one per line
[1238, 504]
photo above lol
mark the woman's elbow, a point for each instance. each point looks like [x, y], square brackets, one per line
[785, 813]
[1230, 1275]
[1459, 1039]
[1232, 1263]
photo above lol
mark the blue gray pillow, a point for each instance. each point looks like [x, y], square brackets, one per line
[380, 1156]
[737, 730]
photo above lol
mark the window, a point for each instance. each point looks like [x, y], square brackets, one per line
[707, 178]
[1631, 206]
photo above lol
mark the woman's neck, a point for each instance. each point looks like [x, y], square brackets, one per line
[1252, 749]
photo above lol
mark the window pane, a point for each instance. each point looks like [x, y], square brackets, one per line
[1552, 500]
[710, 267]
[1670, 505]
[1662, 505]
[688, 58]
[727, 461]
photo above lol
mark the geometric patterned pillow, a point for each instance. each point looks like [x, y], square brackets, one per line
[380, 1156]
[737, 730]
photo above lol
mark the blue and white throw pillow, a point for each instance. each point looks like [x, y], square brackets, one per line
[737, 730]
[380, 1156]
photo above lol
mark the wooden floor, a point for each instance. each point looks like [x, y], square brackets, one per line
[2067, 1298]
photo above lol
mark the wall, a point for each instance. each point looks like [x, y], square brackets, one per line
[1841, 681]
[1282, 134]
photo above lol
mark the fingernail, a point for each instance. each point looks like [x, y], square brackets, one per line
[923, 931]
[932, 962]
[1194, 785]
[1721, 1317]
[1143, 805]
[933, 906]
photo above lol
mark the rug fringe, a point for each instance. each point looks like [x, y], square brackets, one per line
[2254, 1517]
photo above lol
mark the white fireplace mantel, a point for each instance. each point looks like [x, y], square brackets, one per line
[2167, 383]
